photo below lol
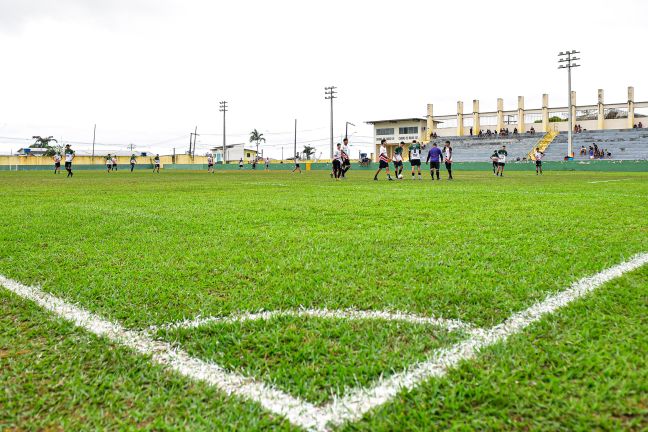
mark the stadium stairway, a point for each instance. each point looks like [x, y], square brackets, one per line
[543, 144]
[624, 144]
[476, 149]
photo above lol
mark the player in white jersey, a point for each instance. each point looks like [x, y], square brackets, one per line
[346, 158]
[383, 160]
[501, 161]
[69, 157]
[337, 162]
[133, 161]
[297, 166]
[109, 163]
[210, 163]
[415, 158]
[267, 164]
[538, 159]
[447, 158]
[114, 162]
[57, 163]
[156, 163]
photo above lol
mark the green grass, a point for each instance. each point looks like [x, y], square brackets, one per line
[143, 249]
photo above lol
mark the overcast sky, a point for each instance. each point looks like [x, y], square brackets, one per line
[148, 71]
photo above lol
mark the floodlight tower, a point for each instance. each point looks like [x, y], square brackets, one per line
[330, 94]
[567, 61]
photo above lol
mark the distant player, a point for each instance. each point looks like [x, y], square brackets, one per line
[398, 160]
[415, 158]
[156, 163]
[447, 158]
[114, 162]
[383, 161]
[241, 163]
[133, 161]
[297, 166]
[337, 162]
[267, 164]
[434, 157]
[210, 163]
[57, 163]
[69, 157]
[495, 161]
[501, 161]
[538, 158]
[346, 158]
[109, 163]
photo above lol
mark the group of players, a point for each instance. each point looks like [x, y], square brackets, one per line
[434, 157]
[342, 161]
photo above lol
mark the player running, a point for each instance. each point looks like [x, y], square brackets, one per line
[297, 166]
[346, 160]
[384, 161]
[434, 157]
[114, 162]
[501, 161]
[210, 163]
[109, 163]
[133, 161]
[415, 158]
[447, 158]
[69, 157]
[337, 162]
[156, 163]
[538, 158]
[398, 160]
[241, 163]
[495, 161]
[57, 163]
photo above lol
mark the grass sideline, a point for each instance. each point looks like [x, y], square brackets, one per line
[144, 249]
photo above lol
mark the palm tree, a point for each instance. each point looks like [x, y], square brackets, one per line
[257, 137]
[308, 151]
[44, 142]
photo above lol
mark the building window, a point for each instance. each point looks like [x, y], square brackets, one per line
[407, 130]
[248, 155]
[385, 131]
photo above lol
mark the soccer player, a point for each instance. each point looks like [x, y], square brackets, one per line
[210, 163]
[297, 166]
[57, 163]
[501, 160]
[109, 163]
[415, 158]
[241, 163]
[156, 163]
[69, 157]
[447, 158]
[434, 157]
[114, 162]
[267, 164]
[384, 161]
[346, 160]
[538, 158]
[495, 161]
[398, 160]
[337, 162]
[133, 161]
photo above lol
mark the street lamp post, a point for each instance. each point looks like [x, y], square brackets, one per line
[567, 60]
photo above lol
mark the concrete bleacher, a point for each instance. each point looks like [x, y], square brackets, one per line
[624, 144]
[476, 149]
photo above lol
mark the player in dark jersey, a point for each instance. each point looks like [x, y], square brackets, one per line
[434, 158]
[398, 160]
[69, 157]
[501, 161]
[156, 164]
[415, 158]
[494, 159]
[447, 158]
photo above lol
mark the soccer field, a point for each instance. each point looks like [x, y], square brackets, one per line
[265, 300]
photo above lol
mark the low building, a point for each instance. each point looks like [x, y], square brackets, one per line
[234, 153]
[35, 151]
[398, 130]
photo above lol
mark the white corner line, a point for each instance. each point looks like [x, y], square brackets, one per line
[340, 410]
[345, 314]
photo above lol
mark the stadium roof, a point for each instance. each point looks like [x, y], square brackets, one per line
[400, 120]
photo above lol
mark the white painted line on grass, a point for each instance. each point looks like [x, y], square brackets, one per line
[340, 410]
[295, 410]
[608, 181]
[345, 314]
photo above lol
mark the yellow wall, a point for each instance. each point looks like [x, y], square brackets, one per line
[100, 160]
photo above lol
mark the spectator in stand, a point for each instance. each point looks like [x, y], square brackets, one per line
[471, 131]
[634, 126]
[532, 130]
[507, 131]
[515, 131]
[583, 151]
[609, 155]
[591, 152]
[640, 125]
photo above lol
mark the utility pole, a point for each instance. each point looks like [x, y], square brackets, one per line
[295, 154]
[330, 95]
[195, 135]
[568, 58]
[223, 109]
[346, 129]
[94, 136]
[281, 154]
